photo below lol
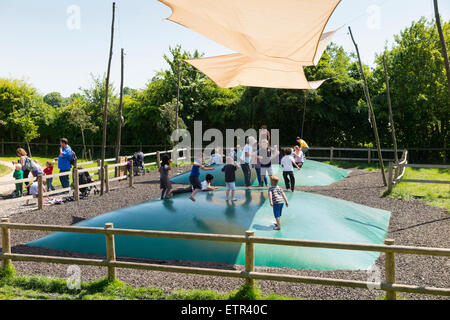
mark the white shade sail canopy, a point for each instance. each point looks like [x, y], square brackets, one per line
[273, 39]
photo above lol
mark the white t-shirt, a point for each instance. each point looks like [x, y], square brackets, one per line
[286, 162]
[299, 157]
[205, 185]
[216, 159]
[247, 149]
[34, 188]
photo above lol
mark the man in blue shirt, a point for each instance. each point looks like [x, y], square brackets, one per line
[65, 156]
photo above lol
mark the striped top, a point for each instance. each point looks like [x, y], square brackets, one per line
[277, 194]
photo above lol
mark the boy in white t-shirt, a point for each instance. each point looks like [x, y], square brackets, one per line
[288, 163]
[206, 184]
[217, 157]
[33, 190]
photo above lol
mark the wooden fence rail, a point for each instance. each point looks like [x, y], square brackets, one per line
[111, 263]
[102, 172]
[368, 152]
[396, 178]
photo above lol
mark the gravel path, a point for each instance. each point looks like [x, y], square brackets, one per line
[7, 189]
[412, 223]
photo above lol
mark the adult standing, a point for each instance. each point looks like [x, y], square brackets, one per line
[302, 143]
[267, 157]
[23, 157]
[246, 161]
[64, 159]
[264, 134]
[28, 164]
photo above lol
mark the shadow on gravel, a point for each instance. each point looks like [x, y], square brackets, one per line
[420, 224]
[76, 220]
[147, 182]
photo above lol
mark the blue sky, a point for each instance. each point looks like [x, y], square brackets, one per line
[36, 45]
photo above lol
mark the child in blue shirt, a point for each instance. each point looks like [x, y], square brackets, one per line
[194, 178]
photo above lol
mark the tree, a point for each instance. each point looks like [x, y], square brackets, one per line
[55, 99]
[420, 99]
[27, 127]
[77, 116]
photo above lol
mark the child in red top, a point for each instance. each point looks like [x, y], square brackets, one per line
[48, 171]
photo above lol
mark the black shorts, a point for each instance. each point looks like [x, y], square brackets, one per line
[195, 182]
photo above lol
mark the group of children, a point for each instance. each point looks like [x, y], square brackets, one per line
[31, 166]
[277, 198]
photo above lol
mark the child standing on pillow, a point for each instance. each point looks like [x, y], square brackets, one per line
[230, 177]
[277, 199]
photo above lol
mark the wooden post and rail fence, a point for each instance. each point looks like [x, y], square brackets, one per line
[102, 173]
[333, 151]
[397, 171]
[389, 284]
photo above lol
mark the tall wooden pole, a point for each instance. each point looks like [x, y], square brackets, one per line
[119, 122]
[443, 44]
[105, 108]
[178, 90]
[304, 114]
[372, 113]
[391, 117]
[178, 102]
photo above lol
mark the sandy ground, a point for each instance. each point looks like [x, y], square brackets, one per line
[7, 189]
[412, 223]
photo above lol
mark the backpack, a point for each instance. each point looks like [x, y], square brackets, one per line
[28, 165]
[73, 161]
[138, 159]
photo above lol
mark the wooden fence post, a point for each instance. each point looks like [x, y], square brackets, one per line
[131, 172]
[390, 270]
[40, 192]
[158, 159]
[99, 164]
[3, 147]
[46, 146]
[106, 170]
[110, 252]
[6, 243]
[249, 257]
[445, 154]
[369, 156]
[76, 184]
[390, 176]
[331, 154]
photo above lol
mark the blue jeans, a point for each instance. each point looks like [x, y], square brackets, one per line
[277, 208]
[50, 184]
[260, 180]
[65, 180]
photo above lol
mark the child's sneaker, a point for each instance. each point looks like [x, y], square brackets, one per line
[277, 227]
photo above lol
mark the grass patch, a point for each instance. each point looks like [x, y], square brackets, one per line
[43, 288]
[437, 195]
